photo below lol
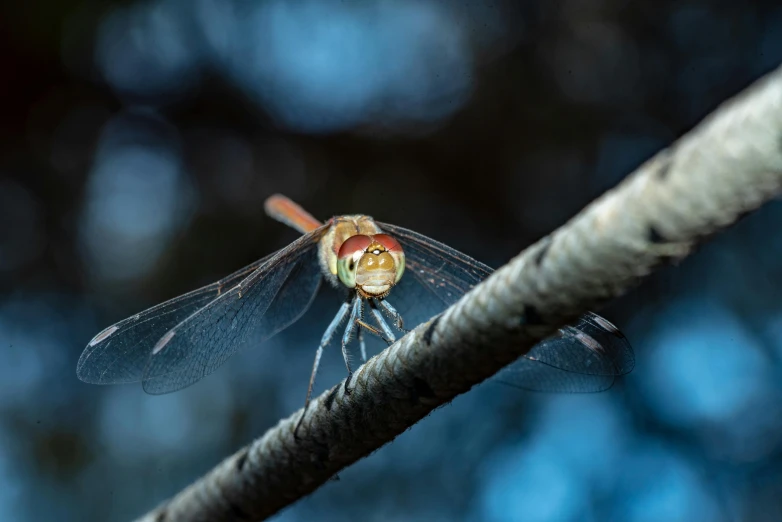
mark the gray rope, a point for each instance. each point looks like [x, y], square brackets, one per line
[729, 165]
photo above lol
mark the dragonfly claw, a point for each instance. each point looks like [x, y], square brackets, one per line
[347, 384]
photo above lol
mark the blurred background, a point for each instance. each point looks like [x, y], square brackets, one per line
[139, 138]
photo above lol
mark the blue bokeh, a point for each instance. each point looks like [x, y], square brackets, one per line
[483, 125]
[138, 198]
[314, 66]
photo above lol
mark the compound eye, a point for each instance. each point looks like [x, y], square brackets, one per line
[388, 242]
[348, 257]
[354, 245]
[395, 249]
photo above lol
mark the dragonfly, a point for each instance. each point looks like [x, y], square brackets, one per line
[390, 276]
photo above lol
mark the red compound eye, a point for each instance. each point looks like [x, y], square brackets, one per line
[352, 245]
[388, 242]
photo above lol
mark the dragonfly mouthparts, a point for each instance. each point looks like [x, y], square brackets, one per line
[378, 290]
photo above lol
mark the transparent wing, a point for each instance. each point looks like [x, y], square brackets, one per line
[119, 353]
[176, 343]
[442, 271]
[584, 357]
[262, 304]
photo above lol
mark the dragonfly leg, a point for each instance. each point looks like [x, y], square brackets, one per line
[355, 318]
[372, 329]
[388, 335]
[363, 345]
[327, 335]
[391, 311]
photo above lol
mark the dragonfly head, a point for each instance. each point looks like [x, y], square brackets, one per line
[370, 264]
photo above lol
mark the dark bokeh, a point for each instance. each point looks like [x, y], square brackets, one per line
[138, 140]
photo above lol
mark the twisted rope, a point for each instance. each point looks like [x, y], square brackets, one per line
[729, 165]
